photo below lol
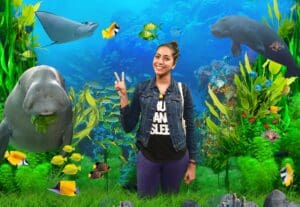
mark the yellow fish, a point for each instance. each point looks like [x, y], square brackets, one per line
[17, 3]
[111, 31]
[147, 35]
[68, 148]
[71, 169]
[151, 26]
[76, 157]
[65, 187]
[15, 158]
[287, 175]
[28, 54]
[274, 109]
[58, 160]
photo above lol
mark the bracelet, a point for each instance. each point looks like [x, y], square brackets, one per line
[192, 162]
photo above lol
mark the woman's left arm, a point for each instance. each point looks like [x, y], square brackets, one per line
[191, 139]
[188, 115]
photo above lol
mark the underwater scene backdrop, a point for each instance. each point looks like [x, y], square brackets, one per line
[247, 109]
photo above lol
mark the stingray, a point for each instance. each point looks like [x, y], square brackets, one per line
[61, 30]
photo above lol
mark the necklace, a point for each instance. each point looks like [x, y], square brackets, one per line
[161, 96]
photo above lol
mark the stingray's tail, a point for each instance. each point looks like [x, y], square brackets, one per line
[292, 71]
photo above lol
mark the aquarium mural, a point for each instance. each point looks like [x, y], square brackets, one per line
[61, 139]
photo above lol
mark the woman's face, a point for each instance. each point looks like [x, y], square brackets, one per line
[163, 61]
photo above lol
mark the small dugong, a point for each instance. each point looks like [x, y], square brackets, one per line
[37, 113]
[257, 36]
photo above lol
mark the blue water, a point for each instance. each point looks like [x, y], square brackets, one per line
[188, 22]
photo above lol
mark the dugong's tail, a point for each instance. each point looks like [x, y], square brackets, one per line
[292, 71]
[4, 138]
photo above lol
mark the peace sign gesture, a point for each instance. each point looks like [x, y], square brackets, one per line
[120, 86]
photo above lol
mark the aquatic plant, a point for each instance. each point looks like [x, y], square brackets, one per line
[255, 101]
[289, 147]
[262, 149]
[224, 140]
[32, 179]
[42, 123]
[285, 27]
[85, 114]
[294, 41]
[16, 43]
[289, 143]
[257, 176]
[7, 181]
[16, 178]
[288, 29]
[127, 177]
[36, 159]
[233, 128]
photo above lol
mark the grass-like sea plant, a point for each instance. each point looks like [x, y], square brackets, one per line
[17, 43]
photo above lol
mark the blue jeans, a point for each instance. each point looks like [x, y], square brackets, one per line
[153, 175]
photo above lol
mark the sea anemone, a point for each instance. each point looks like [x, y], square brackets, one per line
[271, 135]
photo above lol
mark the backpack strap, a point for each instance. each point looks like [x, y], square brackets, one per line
[181, 93]
[182, 102]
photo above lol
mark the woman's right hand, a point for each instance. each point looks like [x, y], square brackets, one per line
[120, 86]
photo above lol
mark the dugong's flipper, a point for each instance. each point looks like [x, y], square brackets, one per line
[4, 138]
[236, 49]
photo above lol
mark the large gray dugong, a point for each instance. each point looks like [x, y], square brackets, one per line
[259, 37]
[39, 93]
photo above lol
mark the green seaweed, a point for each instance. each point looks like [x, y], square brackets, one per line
[257, 177]
[42, 122]
[14, 42]
[85, 113]
[34, 176]
[7, 181]
[261, 149]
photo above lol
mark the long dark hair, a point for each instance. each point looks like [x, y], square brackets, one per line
[174, 47]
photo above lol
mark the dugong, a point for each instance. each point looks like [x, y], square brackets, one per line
[262, 39]
[39, 95]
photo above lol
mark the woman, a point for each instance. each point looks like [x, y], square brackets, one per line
[166, 154]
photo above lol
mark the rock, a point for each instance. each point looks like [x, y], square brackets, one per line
[231, 200]
[126, 204]
[189, 203]
[278, 199]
